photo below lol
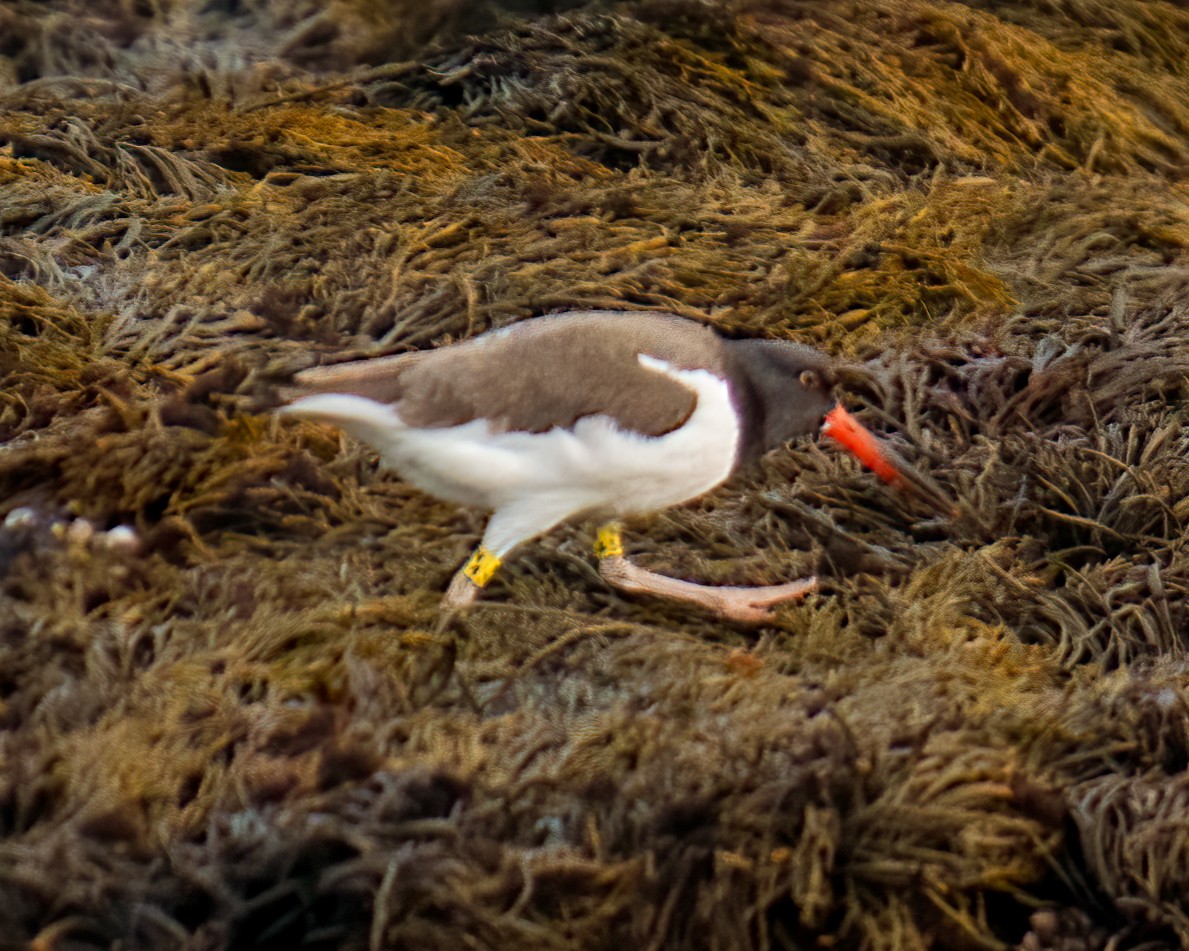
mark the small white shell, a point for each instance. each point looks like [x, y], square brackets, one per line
[121, 538]
[21, 517]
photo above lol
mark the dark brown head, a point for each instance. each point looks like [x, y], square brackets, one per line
[783, 390]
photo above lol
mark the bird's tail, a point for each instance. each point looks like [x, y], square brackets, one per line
[356, 414]
[377, 378]
[358, 396]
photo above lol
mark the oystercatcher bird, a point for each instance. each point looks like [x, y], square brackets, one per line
[592, 413]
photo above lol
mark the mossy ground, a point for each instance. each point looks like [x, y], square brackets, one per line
[245, 729]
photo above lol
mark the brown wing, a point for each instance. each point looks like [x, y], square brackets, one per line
[540, 374]
[378, 379]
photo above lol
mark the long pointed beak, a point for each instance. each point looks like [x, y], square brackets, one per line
[877, 456]
[863, 445]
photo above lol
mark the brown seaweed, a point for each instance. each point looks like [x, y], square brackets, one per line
[226, 716]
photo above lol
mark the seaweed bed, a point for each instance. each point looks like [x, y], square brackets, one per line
[240, 726]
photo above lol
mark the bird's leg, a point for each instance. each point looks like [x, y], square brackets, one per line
[468, 581]
[749, 605]
[508, 527]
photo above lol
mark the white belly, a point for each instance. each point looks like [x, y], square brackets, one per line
[595, 467]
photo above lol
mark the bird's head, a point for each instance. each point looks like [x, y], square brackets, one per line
[790, 390]
[793, 394]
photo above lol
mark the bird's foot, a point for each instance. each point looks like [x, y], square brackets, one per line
[745, 605]
[755, 605]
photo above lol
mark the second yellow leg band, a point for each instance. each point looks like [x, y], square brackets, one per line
[608, 542]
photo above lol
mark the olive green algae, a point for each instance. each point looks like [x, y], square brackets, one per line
[240, 726]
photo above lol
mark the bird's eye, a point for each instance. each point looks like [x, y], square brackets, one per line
[810, 380]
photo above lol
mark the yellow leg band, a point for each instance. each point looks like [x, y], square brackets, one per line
[482, 566]
[608, 542]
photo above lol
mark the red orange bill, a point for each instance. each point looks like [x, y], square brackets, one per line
[840, 426]
[845, 429]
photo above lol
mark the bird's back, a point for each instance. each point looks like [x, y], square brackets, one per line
[539, 374]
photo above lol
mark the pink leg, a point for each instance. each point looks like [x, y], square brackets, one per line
[749, 605]
[461, 594]
[506, 529]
